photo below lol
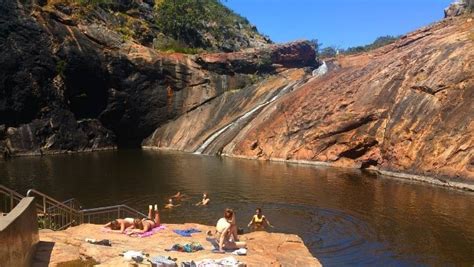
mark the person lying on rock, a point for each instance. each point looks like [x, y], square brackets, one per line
[259, 222]
[120, 225]
[226, 232]
[146, 224]
[205, 200]
[170, 204]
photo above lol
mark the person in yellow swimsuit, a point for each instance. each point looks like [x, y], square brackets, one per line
[259, 222]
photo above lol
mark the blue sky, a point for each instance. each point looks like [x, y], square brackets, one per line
[340, 23]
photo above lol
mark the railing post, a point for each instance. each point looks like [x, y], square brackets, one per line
[118, 215]
[44, 205]
[11, 201]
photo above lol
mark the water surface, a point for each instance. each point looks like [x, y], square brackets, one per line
[344, 216]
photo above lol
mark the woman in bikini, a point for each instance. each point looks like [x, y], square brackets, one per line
[259, 222]
[205, 200]
[226, 232]
[120, 225]
[146, 224]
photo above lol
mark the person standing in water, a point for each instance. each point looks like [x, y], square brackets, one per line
[205, 200]
[259, 222]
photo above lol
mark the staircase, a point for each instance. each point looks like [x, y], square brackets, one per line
[57, 215]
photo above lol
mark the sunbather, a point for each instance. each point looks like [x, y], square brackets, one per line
[205, 200]
[226, 232]
[120, 225]
[146, 224]
[259, 222]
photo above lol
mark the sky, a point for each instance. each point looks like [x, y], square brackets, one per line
[339, 23]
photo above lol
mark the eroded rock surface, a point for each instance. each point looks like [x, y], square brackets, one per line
[406, 107]
[458, 8]
[60, 65]
[264, 249]
[238, 107]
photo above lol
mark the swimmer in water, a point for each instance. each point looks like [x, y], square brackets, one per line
[205, 200]
[170, 204]
[259, 222]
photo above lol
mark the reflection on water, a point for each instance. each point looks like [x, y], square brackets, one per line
[344, 216]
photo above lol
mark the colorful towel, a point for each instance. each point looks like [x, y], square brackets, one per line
[227, 262]
[187, 232]
[151, 232]
[189, 247]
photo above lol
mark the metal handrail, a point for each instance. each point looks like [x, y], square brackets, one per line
[104, 214]
[12, 194]
[114, 207]
[46, 198]
[53, 214]
[4, 188]
[57, 215]
[72, 203]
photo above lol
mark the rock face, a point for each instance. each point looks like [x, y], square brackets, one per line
[264, 249]
[406, 107]
[70, 82]
[458, 8]
[234, 109]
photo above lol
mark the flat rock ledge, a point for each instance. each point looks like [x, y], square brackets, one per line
[264, 249]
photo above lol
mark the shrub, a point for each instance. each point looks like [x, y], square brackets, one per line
[379, 42]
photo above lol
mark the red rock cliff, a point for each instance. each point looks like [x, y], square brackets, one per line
[407, 107]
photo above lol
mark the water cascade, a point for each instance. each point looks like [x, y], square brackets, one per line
[244, 117]
[321, 70]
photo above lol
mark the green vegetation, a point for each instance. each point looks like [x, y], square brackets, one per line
[46, 223]
[188, 21]
[188, 26]
[82, 2]
[94, 2]
[329, 51]
[171, 45]
[379, 42]
[332, 51]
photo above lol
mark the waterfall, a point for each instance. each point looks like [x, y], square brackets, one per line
[321, 70]
[218, 133]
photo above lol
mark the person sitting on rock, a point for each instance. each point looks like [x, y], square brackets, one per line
[205, 200]
[146, 224]
[120, 225]
[226, 232]
[259, 222]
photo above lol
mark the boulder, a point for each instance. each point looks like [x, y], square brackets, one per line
[458, 8]
[268, 59]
